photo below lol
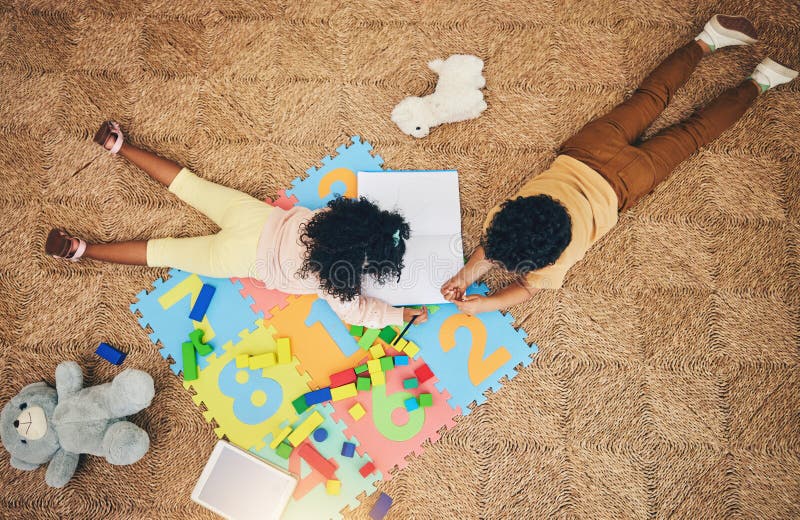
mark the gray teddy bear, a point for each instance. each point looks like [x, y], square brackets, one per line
[42, 424]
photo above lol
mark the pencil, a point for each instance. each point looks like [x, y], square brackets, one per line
[400, 336]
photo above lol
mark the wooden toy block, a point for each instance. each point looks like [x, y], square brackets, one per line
[369, 337]
[112, 355]
[387, 363]
[387, 334]
[333, 487]
[196, 336]
[201, 304]
[378, 379]
[411, 349]
[300, 405]
[411, 404]
[400, 361]
[320, 434]
[279, 438]
[348, 449]
[410, 383]
[318, 396]
[189, 361]
[284, 351]
[363, 384]
[242, 361]
[315, 459]
[374, 366]
[357, 411]
[400, 345]
[343, 392]
[305, 428]
[360, 369]
[356, 330]
[423, 373]
[376, 351]
[284, 450]
[262, 361]
[344, 377]
[381, 507]
[367, 469]
[426, 400]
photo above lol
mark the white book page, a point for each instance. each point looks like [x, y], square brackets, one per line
[430, 203]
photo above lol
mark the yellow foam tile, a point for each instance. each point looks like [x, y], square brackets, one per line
[242, 361]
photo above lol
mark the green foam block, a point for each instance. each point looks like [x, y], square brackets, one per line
[363, 383]
[300, 405]
[387, 334]
[189, 361]
[356, 330]
[369, 337]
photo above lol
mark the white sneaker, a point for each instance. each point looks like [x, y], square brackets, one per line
[769, 74]
[722, 31]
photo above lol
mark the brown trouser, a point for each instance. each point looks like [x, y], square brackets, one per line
[607, 143]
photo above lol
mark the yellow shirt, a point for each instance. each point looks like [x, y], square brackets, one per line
[592, 207]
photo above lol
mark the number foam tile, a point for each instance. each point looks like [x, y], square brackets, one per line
[310, 499]
[246, 404]
[463, 372]
[165, 309]
[389, 437]
[336, 175]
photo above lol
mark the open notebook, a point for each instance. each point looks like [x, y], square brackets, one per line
[430, 203]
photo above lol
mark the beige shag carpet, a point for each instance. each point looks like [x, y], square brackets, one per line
[667, 380]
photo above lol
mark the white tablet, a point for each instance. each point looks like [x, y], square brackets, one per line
[238, 485]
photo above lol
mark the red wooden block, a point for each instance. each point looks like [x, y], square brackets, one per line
[315, 459]
[367, 469]
[345, 377]
[423, 373]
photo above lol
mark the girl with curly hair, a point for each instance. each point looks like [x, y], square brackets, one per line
[605, 169]
[298, 251]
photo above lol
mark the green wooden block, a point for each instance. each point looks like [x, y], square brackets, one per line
[189, 361]
[363, 383]
[197, 340]
[356, 330]
[284, 450]
[410, 383]
[387, 363]
[360, 369]
[369, 337]
[387, 334]
[300, 405]
[425, 400]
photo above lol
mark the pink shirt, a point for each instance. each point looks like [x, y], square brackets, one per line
[280, 256]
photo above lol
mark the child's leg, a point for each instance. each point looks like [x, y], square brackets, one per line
[132, 253]
[161, 169]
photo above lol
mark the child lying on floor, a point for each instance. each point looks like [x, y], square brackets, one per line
[297, 251]
[559, 214]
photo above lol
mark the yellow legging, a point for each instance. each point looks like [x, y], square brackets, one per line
[232, 251]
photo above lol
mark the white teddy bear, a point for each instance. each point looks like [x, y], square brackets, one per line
[457, 97]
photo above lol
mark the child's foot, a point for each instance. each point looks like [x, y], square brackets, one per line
[723, 31]
[109, 136]
[61, 244]
[769, 74]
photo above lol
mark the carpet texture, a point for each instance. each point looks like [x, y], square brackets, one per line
[667, 381]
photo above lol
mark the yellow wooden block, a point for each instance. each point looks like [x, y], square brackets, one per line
[279, 437]
[333, 487]
[411, 349]
[357, 411]
[242, 361]
[262, 360]
[378, 378]
[343, 392]
[401, 344]
[305, 428]
[377, 351]
[284, 351]
[374, 366]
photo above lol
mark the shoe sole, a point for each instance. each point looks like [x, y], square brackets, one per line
[102, 134]
[57, 244]
[782, 70]
[736, 27]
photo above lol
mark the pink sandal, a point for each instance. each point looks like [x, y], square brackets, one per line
[107, 129]
[61, 244]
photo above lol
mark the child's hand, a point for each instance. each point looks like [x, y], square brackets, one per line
[453, 289]
[473, 304]
[421, 314]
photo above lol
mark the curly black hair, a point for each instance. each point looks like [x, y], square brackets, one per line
[351, 239]
[528, 233]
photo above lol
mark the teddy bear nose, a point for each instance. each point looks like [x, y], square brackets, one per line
[16, 424]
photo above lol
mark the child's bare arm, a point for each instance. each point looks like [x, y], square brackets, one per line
[476, 266]
[510, 295]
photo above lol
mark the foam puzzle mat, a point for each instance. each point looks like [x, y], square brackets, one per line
[468, 356]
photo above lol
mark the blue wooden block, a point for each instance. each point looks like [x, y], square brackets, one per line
[110, 354]
[400, 360]
[318, 396]
[320, 434]
[348, 449]
[202, 302]
[381, 507]
[411, 404]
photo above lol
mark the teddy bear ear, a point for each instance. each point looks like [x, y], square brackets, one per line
[21, 464]
[33, 386]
